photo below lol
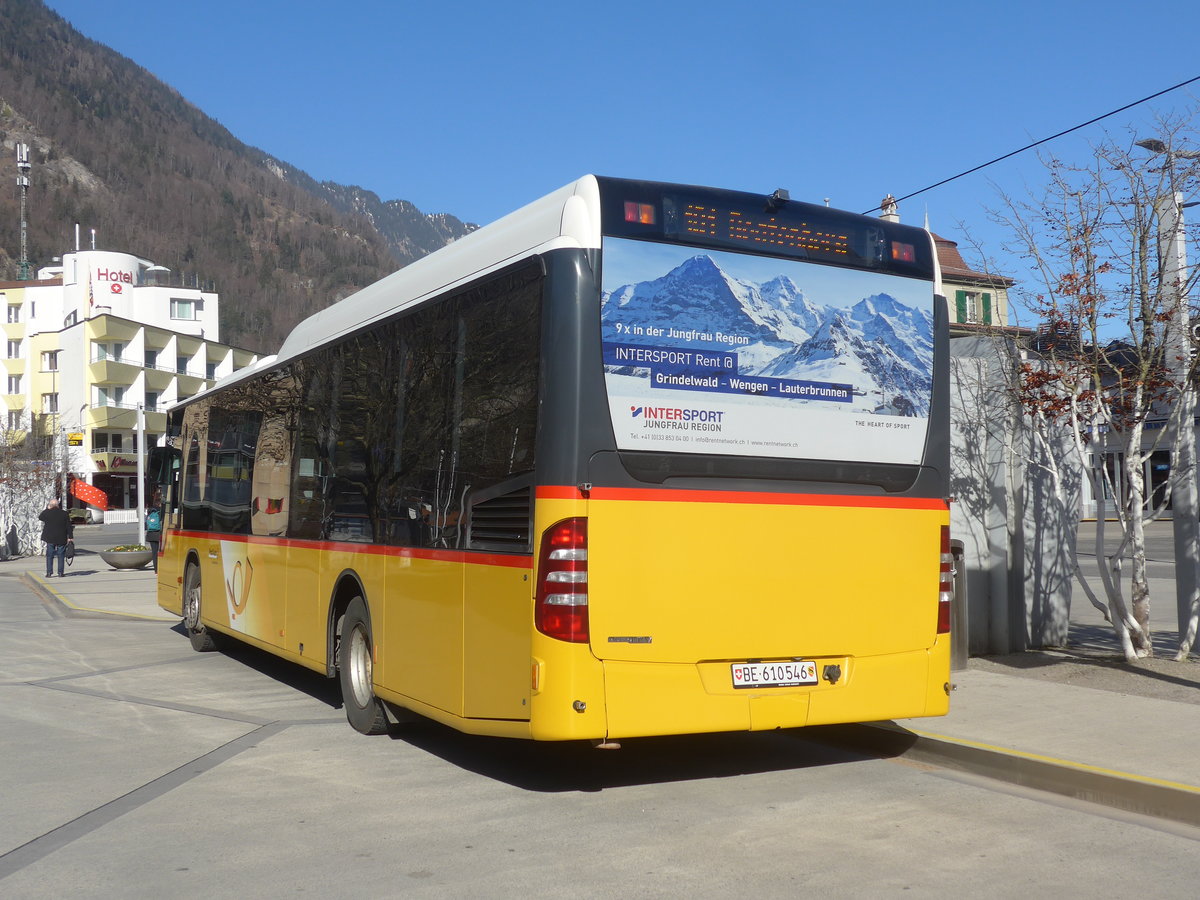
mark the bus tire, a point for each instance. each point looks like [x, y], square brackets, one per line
[203, 640]
[364, 711]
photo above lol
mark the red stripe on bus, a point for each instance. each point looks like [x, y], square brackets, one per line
[560, 492]
[456, 556]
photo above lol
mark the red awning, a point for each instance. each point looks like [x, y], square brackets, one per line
[89, 494]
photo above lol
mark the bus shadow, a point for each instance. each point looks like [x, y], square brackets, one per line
[576, 767]
[314, 684]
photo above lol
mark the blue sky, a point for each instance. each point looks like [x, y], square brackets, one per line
[476, 108]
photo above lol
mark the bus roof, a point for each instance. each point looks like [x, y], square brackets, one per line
[567, 218]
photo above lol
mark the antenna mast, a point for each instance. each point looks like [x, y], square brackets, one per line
[23, 167]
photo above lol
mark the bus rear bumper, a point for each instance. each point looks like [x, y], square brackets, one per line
[644, 699]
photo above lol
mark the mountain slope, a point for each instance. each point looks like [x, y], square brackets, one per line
[115, 149]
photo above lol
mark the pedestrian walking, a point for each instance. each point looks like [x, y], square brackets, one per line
[57, 532]
[154, 526]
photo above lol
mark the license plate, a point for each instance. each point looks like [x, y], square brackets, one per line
[774, 674]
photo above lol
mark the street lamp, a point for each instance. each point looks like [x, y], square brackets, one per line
[1185, 504]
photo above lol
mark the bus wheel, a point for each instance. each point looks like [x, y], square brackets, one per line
[363, 710]
[203, 640]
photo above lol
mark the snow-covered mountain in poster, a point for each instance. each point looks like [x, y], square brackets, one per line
[876, 344]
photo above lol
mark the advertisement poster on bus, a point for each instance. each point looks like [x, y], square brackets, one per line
[725, 353]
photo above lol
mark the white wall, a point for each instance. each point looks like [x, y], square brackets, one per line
[1018, 534]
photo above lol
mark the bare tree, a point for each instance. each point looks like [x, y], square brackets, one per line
[27, 481]
[1106, 361]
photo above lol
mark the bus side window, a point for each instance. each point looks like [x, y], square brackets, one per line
[308, 494]
[269, 483]
[233, 442]
[315, 432]
[194, 499]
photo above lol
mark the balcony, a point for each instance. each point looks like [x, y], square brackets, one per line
[113, 370]
[123, 416]
[123, 370]
[189, 385]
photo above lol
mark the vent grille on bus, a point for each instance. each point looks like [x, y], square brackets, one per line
[504, 522]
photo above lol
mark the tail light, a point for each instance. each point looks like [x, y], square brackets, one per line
[561, 610]
[946, 584]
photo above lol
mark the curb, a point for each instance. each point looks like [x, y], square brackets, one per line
[49, 595]
[1155, 797]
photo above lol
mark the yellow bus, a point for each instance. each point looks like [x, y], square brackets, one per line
[637, 459]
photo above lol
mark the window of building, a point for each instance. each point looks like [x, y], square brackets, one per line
[115, 443]
[15, 419]
[49, 403]
[50, 360]
[14, 384]
[973, 307]
[210, 371]
[152, 401]
[151, 441]
[110, 395]
[188, 310]
[14, 313]
[114, 351]
[14, 349]
[151, 359]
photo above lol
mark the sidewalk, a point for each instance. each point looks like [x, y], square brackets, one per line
[1117, 747]
[1123, 750]
[1080, 722]
[91, 587]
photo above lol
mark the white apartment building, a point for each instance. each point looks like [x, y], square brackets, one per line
[94, 339]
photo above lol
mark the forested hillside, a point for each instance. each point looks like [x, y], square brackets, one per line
[115, 149]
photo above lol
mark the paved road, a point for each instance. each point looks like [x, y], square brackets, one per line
[133, 767]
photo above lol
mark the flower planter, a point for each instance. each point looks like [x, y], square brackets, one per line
[127, 559]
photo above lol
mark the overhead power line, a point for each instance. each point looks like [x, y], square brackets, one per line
[1045, 140]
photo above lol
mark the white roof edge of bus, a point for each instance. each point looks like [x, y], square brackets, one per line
[937, 266]
[568, 217]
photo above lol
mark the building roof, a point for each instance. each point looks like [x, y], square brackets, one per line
[45, 282]
[955, 268]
